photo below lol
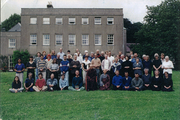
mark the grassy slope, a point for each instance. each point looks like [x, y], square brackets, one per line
[114, 105]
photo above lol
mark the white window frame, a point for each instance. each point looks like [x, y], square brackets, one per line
[99, 39]
[110, 19]
[97, 20]
[12, 42]
[59, 21]
[59, 38]
[109, 38]
[46, 41]
[10, 63]
[85, 21]
[33, 21]
[46, 21]
[33, 39]
[71, 39]
[72, 21]
[85, 39]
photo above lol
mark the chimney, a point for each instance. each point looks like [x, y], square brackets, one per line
[49, 5]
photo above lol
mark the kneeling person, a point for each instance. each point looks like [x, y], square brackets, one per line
[52, 83]
[40, 84]
[117, 81]
[167, 83]
[146, 79]
[137, 83]
[126, 80]
[28, 85]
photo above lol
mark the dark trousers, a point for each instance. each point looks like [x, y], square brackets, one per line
[156, 89]
[54, 87]
[134, 89]
[146, 88]
[115, 88]
[48, 74]
[66, 88]
[168, 90]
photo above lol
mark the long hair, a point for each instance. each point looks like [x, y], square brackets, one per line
[15, 80]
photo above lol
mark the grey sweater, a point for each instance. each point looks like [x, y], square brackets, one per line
[137, 83]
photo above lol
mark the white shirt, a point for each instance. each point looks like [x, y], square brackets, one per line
[168, 64]
[61, 55]
[111, 59]
[86, 63]
[106, 64]
[163, 60]
[123, 60]
[80, 59]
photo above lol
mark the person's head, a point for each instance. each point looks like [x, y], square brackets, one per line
[117, 56]
[16, 79]
[156, 56]
[75, 56]
[77, 72]
[91, 66]
[162, 55]
[117, 72]
[19, 60]
[102, 53]
[41, 56]
[31, 58]
[136, 75]
[144, 57]
[126, 74]
[131, 52]
[65, 57]
[78, 53]
[95, 55]
[85, 51]
[132, 56]
[68, 52]
[44, 53]
[122, 56]
[52, 76]
[86, 57]
[77, 50]
[92, 54]
[40, 75]
[166, 74]
[52, 52]
[62, 76]
[167, 58]
[54, 61]
[146, 70]
[104, 71]
[105, 56]
[97, 51]
[116, 60]
[58, 56]
[120, 52]
[38, 54]
[68, 56]
[147, 58]
[109, 53]
[127, 58]
[137, 60]
[48, 56]
[60, 50]
[156, 72]
[135, 55]
[30, 75]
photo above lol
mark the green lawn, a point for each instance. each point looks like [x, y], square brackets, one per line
[95, 105]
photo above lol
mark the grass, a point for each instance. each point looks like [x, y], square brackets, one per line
[93, 105]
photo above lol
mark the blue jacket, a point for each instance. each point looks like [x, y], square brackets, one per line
[64, 65]
[116, 66]
[117, 80]
[126, 82]
[77, 81]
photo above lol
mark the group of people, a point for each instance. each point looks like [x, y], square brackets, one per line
[92, 72]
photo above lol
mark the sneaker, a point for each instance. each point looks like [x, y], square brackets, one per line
[78, 90]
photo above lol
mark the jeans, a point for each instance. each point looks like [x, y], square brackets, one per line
[73, 89]
[66, 76]
[20, 75]
[36, 70]
[13, 90]
[97, 72]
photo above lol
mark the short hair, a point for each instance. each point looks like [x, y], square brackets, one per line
[38, 52]
[44, 51]
[102, 52]
[167, 57]
[156, 55]
[29, 73]
[41, 55]
[162, 54]
[143, 55]
[40, 74]
[146, 69]
[62, 75]
[64, 55]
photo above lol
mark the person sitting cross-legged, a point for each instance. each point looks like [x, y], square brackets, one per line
[117, 81]
[52, 83]
[28, 85]
[167, 83]
[105, 81]
[16, 86]
[146, 80]
[137, 82]
[63, 83]
[77, 82]
[40, 84]
[126, 80]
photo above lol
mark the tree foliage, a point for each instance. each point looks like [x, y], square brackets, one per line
[11, 21]
[3, 62]
[159, 33]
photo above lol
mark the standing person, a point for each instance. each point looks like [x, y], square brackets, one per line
[91, 56]
[137, 67]
[53, 55]
[156, 81]
[40, 84]
[126, 81]
[127, 67]
[58, 60]
[137, 82]
[117, 81]
[97, 52]
[91, 79]
[122, 58]
[157, 65]
[16, 86]
[147, 64]
[167, 66]
[63, 83]
[41, 65]
[102, 56]
[111, 58]
[146, 79]
[44, 55]
[36, 59]
[85, 52]
[85, 67]
[131, 53]
[167, 83]
[64, 66]
[52, 83]
[120, 53]
[30, 66]
[96, 63]
[19, 69]
[105, 81]
[69, 53]
[77, 82]
[106, 65]
[28, 84]
[61, 53]
[133, 60]
[162, 58]
[116, 66]
[79, 57]
[136, 56]
[54, 68]
[69, 58]
[49, 62]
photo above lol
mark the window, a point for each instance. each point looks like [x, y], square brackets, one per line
[46, 39]
[33, 39]
[85, 21]
[97, 20]
[33, 20]
[97, 39]
[72, 21]
[72, 39]
[10, 63]
[59, 39]
[110, 21]
[12, 43]
[59, 21]
[110, 39]
[85, 39]
[46, 20]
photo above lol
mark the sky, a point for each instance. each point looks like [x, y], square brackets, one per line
[134, 10]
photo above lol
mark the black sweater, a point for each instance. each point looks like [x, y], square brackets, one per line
[16, 86]
[167, 82]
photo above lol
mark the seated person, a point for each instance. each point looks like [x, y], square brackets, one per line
[146, 79]
[91, 79]
[167, 83]
[117, 81]
[156, 81]
[16, 86]
[104, 81]
[52, 83]
[77, 82]
[28, 85]
[137, 82]
[126, 81]
[63, 83]
[40, 84]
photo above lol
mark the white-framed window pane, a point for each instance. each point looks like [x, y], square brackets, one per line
[85, 21]
[12, 43]
[85, 39]
[72, 39]
[97, 39]
[46, 39]
[110, 39]
[33, 20]
[46, 20]
[110, 21]
[72, 21]
[59, 21]
[10, 63]
[33, 39]
[97, 20]
[59, 39]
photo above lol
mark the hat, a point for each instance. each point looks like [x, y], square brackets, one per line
[85, 51]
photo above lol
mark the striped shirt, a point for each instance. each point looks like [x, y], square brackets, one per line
[41, 64]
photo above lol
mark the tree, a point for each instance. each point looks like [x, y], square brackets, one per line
[11, 21]
[159, 33]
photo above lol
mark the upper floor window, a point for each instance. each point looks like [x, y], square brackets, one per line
[110, 21]
[59, 21]
[72, 21]
[46, 39]
[46, 20]
[85, 21]
[12, 43]
[33, 20]
[59, 39]
[72, 39]
[85, 39]
[33, 39]
[97, 39]
[97, 20]
[110, 39]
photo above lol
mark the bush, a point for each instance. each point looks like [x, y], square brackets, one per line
[3, 62]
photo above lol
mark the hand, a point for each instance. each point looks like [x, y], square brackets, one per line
[16, 91]
[103, 85]
[137, 88]
[146, 85]
[75, 66]
[26, 88]
[76, 88]
[118, 86]
[126, 87]
[62, 89]
[63, 72]
[19, 71]
[155, 86]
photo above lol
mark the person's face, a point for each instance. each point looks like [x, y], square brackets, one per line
[38, 54]
[30, 75]
[19, 60]
[135, 55]
[131, 53]
[105, 56]
[126, 74]
[60, 49]
[58, 56]
[132, 57]
[167, 59]
[31, 59]
[156, 73]
[62, 77]
[104, 71]
[77, 50]
[146, 71]
[95, 55]
[120, 53]
[68, 56]
[117, 56]
[52, 76]
[162, 56]
[146, 58]
[86, 58]
[53, 52]
[65, 57]
[41, 57]
[16, 79]
[109, 53]
[92, 55]
[77, 73]
[49, 57]
[75, 57]
[102, 54]
[97, 52]
[156, 57]
[137, 60]
[166, 75]
[68, 52]
[54, 60]
[44, 53]
[127, 58]
[122, 56]
[136, 75]
[117, 73]
[40, 76]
